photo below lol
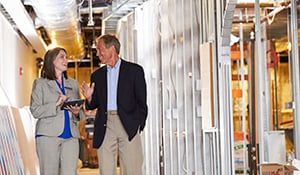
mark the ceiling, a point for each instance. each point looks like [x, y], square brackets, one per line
[74, 24]
[275, 16]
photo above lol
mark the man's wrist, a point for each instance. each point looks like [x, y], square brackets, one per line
[89, 100]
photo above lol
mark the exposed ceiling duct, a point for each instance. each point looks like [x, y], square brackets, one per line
[73, 24]
[60, 19]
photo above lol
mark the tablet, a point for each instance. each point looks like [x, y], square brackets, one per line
[72, 103]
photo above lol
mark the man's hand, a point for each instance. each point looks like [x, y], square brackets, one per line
[87, 91]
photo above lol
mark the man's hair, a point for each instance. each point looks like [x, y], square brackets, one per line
[110, 40]
[48, 70]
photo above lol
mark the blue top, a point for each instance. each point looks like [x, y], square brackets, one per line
[67, 130]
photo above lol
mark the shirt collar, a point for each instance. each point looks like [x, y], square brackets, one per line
[117, 65]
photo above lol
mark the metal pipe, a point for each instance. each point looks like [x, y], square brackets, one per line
[91, 21]
[252, 121]
[243, 91]
[295, 83]
[260, 93]
[252, 5]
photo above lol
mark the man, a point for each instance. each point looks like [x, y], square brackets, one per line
[118, 91]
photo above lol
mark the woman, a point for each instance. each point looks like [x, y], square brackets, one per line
[56, 130]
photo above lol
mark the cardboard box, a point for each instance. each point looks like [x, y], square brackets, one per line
[277, 169]
[275, 154]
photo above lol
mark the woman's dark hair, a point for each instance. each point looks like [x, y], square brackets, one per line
[110, 40]
[48, 70]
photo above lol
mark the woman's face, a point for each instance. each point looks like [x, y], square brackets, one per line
[60, 62]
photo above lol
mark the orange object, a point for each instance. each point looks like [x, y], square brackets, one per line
[238, 135]
[235, 77]
[235, 55]
[237, 93]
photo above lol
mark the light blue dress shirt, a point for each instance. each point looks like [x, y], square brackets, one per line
[112, 85]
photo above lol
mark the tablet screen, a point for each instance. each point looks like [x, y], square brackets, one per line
[72, 103]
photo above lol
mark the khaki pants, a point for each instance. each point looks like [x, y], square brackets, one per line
[131, 154]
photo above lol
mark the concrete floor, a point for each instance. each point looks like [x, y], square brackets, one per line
[89, 171]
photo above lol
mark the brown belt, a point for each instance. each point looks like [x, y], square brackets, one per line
[112, 112]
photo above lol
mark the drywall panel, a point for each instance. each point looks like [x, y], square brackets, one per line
[206, 85]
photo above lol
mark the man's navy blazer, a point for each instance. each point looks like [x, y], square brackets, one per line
[131, 100]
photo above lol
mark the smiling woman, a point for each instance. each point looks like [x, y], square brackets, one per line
[60, 63]
[56, 129]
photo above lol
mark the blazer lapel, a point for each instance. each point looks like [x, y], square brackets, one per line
[53, 85]
[122, 76]
[68, 85]
[122, 73]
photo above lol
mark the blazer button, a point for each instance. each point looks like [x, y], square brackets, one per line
[104, 125]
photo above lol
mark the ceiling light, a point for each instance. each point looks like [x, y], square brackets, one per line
[90, 23]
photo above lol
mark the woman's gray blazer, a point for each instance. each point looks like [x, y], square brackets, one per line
[50, 117]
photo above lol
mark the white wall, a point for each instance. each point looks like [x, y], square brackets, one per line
[15, 54]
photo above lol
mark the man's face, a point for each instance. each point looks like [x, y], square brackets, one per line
[104, 54]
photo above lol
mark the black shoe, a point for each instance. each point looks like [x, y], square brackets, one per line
[93, 166]
[85, 165]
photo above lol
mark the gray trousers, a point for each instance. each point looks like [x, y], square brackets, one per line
[131, 154]
[57, 155]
